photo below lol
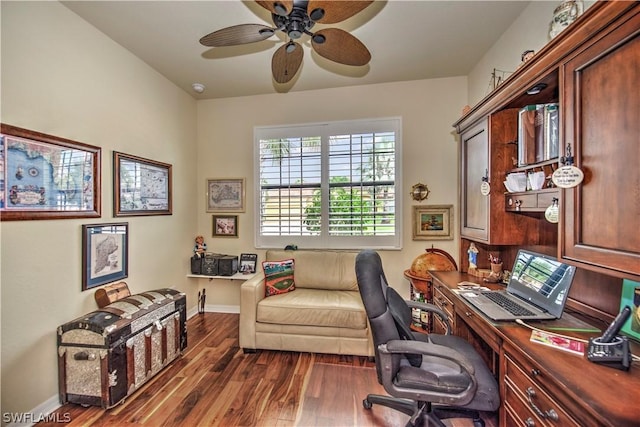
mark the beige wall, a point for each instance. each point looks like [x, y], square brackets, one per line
[529, 31]
[62, 77]
[429, 153]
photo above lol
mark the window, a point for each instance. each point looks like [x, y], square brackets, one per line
[329, 185]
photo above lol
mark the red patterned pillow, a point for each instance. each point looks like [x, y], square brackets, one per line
[278, 276]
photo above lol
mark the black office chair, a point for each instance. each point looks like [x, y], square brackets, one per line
[430, 377]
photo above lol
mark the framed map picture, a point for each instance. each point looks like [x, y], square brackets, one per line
[140, 186]
[105, 249]
[225, 195]
[47, 177]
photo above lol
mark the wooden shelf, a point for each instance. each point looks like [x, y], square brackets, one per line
[237, 276]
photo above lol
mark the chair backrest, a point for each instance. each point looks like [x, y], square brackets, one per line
[388, 314]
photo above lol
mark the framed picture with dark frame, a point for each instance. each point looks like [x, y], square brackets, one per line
[631, 297]
[433, 222]
[140, 186]
[248, 263]
[105, 253]
[225, 194]
[47, 177]
[225, 225]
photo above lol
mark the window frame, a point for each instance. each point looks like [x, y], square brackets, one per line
[325, 130]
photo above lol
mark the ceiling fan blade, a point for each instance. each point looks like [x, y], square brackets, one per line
[332, 11]
[279, 7]
[284, 64]
[237, 34]
[340, 46]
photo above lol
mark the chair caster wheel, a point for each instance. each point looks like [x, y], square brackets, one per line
[367, 404]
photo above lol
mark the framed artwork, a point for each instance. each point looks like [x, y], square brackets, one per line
[631, 297]
[433, 222]
[47, 177]
[105, 250]
[225, 195]
[225, 225]
[140, 186]
[248, 263]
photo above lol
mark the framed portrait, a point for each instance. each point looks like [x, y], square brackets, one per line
[433, 222]
[248, 263]
[47, 177]
[225, 225]
[105, 250]
[225, 195]
[140, 186]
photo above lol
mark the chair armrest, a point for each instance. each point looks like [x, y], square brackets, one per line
[386, 352]
[252, 292]
[434, 309]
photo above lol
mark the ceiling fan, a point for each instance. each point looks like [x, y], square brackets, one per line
[295, 18]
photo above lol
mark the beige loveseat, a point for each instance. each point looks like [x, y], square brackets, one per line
[324, 314]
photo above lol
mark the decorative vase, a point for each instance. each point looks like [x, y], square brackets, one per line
[563, 15]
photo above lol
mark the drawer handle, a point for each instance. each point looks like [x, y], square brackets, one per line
[550, 414]
[529, 422]
[468, 313]
[535, 372]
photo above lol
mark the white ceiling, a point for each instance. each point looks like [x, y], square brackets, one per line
[408, 40]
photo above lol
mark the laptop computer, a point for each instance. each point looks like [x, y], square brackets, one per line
[538, 289]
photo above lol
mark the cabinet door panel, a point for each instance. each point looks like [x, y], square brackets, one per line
[475, 164]
[601, 218]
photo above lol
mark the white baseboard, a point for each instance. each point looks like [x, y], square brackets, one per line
[39, 413]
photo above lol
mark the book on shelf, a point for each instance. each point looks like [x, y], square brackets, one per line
[559, 342]
[538, 136]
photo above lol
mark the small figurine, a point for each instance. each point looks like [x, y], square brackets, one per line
[200, 247]
[473, 256]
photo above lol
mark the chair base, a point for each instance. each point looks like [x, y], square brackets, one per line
[422, 413]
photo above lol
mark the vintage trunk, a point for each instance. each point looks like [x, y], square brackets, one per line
[107, 354]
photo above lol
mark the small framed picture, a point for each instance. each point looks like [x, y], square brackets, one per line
[104, 253]
[248, 263]
[225, 195]
[433, 222]
[225, 225]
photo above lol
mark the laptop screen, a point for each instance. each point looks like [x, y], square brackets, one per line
[541, 280]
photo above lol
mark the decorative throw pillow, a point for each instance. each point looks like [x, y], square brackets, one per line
[278, 276]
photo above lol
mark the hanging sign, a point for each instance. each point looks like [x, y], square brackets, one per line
[551, 214]
[567, 176]
[485, 188]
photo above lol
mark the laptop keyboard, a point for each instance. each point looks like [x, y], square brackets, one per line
[509, 305]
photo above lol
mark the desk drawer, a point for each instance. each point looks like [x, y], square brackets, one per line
[521, 389]
[444, 303]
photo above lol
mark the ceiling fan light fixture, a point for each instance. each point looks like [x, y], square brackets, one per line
[319, 38]
[269, 31]
[280, 9]
[291, 46]
[316, 14]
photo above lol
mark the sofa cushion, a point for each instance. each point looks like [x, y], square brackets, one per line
[278, 277]
[313, 307]
[324, 269]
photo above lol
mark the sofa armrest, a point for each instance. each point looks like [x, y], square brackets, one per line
[251, 293]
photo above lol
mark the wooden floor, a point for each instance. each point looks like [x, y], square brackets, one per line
[215, 384]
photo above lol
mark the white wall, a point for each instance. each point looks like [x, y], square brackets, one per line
[429, 154]
[61, 76]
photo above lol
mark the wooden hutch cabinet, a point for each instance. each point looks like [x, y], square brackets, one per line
[592, 72]
[600, 226]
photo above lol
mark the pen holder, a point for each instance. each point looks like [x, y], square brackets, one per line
[496, 268]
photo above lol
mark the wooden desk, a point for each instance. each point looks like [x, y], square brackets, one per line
[542, 386]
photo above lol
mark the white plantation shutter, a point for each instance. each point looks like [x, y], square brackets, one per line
[330, 185]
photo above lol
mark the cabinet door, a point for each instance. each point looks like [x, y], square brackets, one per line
[601, 216]
[474, 212]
